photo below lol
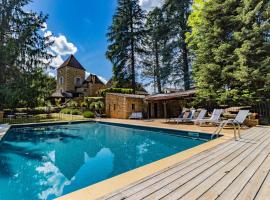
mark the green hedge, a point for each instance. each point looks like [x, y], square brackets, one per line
[115, 90]
[88, 114]
[71, 111]
[66, 111]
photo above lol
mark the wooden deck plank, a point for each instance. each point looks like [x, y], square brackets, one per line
[168, 184]
[254, 184]
[211, 175]
[264, 192]
[215, 191]
[136, 187]
[227, 171]
[128, 191]
[239, 183]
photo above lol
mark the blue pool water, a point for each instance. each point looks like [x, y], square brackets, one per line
[45, 162]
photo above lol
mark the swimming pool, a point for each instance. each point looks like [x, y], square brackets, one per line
[44, 162]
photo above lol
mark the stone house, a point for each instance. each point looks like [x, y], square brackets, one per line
[123, 105]
[71, 81]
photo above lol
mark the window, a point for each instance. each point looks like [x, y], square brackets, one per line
[61, 80]
[133, 106]
[77, 81]
[114, 107]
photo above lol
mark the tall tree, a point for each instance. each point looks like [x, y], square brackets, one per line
[230, 40]
[22, 48]
[155, 65]
[125, 36]
[177, 14]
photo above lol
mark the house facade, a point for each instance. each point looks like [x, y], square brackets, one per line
[71, 81]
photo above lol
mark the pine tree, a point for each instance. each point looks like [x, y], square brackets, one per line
[230, 41]
[154, 64]
[22, 48]
[125, 36]
[177, 13]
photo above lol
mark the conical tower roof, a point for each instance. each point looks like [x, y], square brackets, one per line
[72, 62]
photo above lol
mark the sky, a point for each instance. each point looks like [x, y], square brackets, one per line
[79, 27]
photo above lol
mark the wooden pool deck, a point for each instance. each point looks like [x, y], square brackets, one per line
[230, 170]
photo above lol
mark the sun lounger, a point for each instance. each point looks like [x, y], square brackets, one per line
[214, 119]
[179, 117]
[136, 115]
[186, 118]
[237, 121]
[200, 116]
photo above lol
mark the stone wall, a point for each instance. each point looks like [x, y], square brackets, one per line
[93, 89]
[69, 74]
[118, 106]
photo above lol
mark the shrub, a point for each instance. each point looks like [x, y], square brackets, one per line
[88, 114]
[75, 112]
[115, 90]
[66, 111]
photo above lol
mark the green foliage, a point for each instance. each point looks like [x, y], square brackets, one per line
[66, 111]
[156, 66]
[97, 106]
[103, 92]
[88, 114]
[23, 56]
[125, 36]
[176, 14]
[75, 112]
[73, 104]
[230, 42]
[58, 102]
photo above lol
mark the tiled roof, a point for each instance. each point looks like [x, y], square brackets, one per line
[92, 77]
[171, 96]
[72, 62]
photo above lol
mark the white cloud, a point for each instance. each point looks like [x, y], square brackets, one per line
[47, 34]
[59, 48]
[57, 61]
[62, 47]
[102, 79]
[87, 74]
[45, 26]
[150, 4]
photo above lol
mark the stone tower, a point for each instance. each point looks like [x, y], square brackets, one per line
[70, 75]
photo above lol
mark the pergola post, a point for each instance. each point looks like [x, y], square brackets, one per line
[165, 109]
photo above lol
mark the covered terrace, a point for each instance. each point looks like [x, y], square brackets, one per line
[168, 105]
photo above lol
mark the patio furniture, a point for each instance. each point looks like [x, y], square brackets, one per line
[185, 111]
[186, 118]
[136, 115]
[237, 121]
[200, 116]
[214, 119]
[98, 115]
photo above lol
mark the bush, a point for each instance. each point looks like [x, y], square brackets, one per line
[115, 90]
[88, 114]
[75, 112]
[66, 111]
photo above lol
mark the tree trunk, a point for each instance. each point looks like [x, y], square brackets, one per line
[185, 63]
[157, 71]
[133, 78]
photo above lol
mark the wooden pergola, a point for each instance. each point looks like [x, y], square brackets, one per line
[165, 98]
